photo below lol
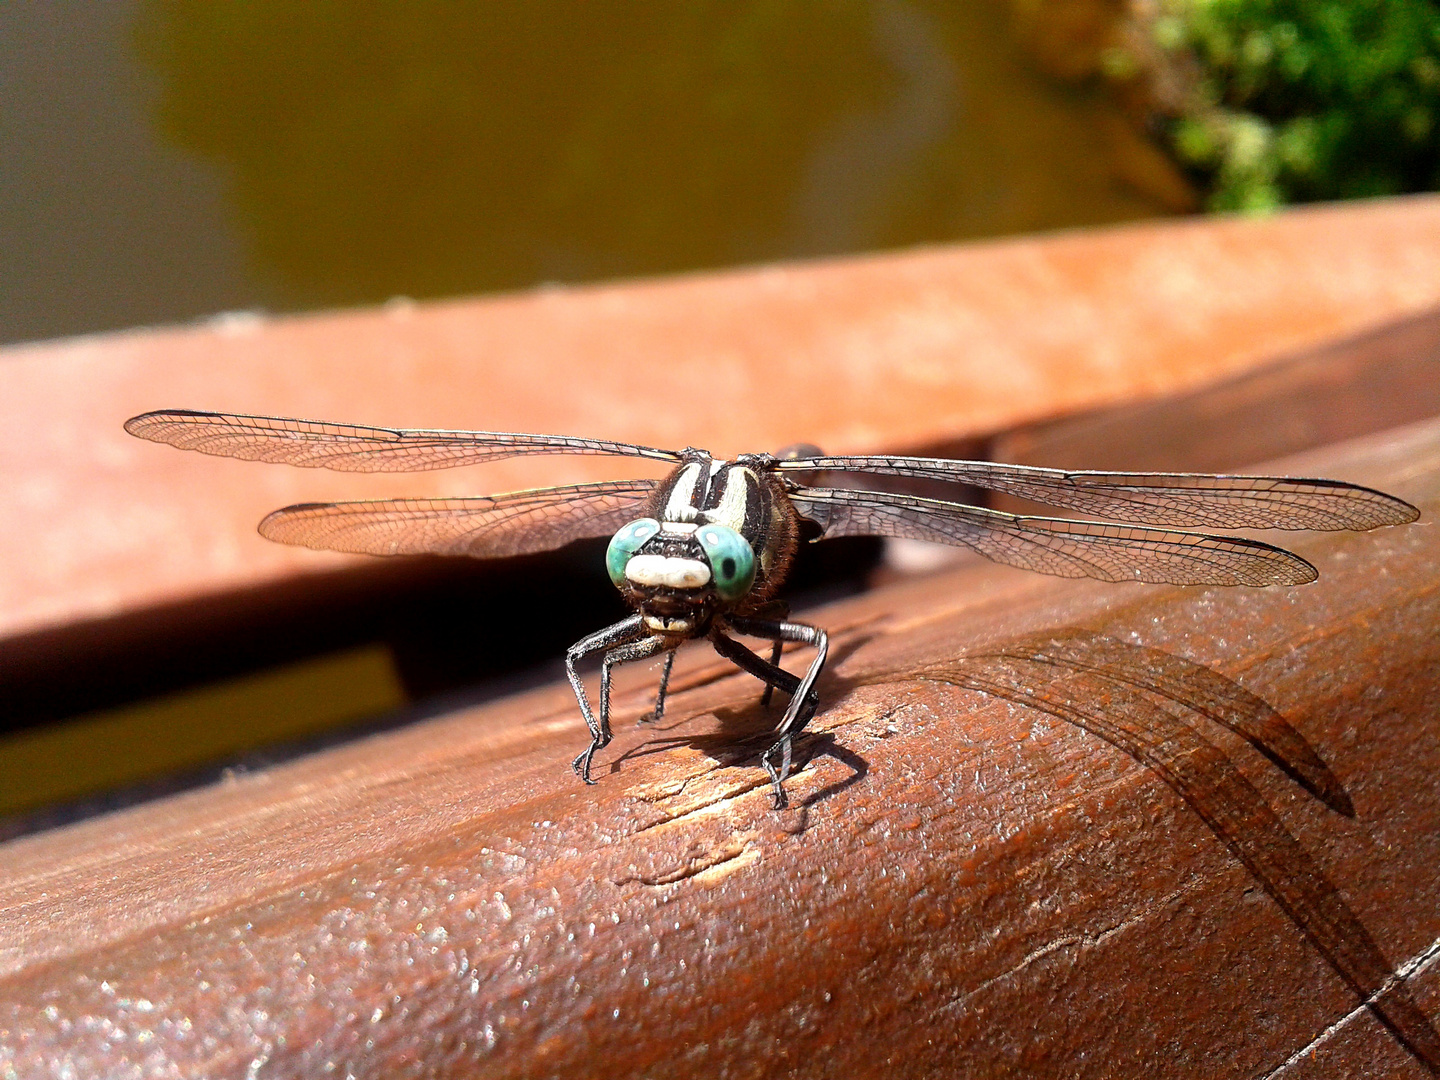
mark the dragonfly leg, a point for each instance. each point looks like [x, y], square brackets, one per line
[775, 611]
[803, 699]
[625, 631]
[664, 687]
[621, 654]
[769, 690]
[770, 674]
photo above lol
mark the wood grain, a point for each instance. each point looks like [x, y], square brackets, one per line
[966, 886]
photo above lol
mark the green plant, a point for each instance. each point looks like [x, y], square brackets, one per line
[1296, 100]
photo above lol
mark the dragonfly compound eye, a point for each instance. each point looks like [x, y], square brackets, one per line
[625, 543]
[731, 559]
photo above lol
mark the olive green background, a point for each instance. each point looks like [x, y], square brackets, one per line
[165, 159]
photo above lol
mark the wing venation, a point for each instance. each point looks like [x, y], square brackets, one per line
[1186, 499]
[1056, 546]
[355, 448]
[519, 523]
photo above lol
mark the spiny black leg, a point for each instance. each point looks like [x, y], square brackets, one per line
[779, 611]
[664, 686]
[777, 776]
[770, 687]
[773, 675]
[802, 700]
[625, 630]
[747, 661]
[804, 635]
[621, 654]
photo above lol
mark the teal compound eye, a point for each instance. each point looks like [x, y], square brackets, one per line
[732, 560]
[630, 539]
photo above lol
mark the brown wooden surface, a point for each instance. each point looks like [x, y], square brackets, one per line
[1381, 378]
[972, 887]
[966, 887]
[886, 352]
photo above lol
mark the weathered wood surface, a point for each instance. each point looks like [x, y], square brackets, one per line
[966, 886]
[879, 353]
[1381, 378]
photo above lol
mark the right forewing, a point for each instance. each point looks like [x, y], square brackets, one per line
[353, 448]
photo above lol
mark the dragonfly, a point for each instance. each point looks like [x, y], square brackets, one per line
[704, 551]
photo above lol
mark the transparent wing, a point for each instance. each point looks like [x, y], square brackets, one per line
[1054, 546]
[352, 448]
[1187, 499]
[484, 527]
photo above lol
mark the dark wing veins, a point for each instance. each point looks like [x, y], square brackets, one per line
[1055, 546]
[483, 527]
[1184, 499]
[353, 448]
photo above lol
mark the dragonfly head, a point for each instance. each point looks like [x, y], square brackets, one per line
[677, 575]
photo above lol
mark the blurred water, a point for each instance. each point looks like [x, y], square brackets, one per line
[165, 159]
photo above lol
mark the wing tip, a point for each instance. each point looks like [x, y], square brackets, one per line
[1305, 571]
[139, 425]
[1287, 568]
[1385, 509]
[272, 525]
[1404, 512]
[269, 524]
[142, 426]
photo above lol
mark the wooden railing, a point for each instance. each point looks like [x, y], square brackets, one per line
[1042, 828]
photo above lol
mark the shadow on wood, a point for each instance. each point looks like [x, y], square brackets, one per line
[1093, 683]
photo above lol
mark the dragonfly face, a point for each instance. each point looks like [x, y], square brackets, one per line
[719, 539]
[675, 581]
[703, 552]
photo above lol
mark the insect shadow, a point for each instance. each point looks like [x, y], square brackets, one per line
[1127, 695]
[747, 730]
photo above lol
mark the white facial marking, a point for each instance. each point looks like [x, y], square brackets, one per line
[678, 528]
[681, 504]
[731, 510]
[673, 626]
[667, 571]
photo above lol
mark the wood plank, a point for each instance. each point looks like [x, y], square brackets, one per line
[1379, 379]
[966, 886]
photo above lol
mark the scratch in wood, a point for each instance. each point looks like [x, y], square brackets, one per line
[1078, 941]
[706, 868]
[877, 725]
[1416, 965]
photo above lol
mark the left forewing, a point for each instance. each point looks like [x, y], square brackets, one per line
[1057, 546]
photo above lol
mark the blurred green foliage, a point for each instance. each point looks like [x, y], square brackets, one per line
[1309, 99]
